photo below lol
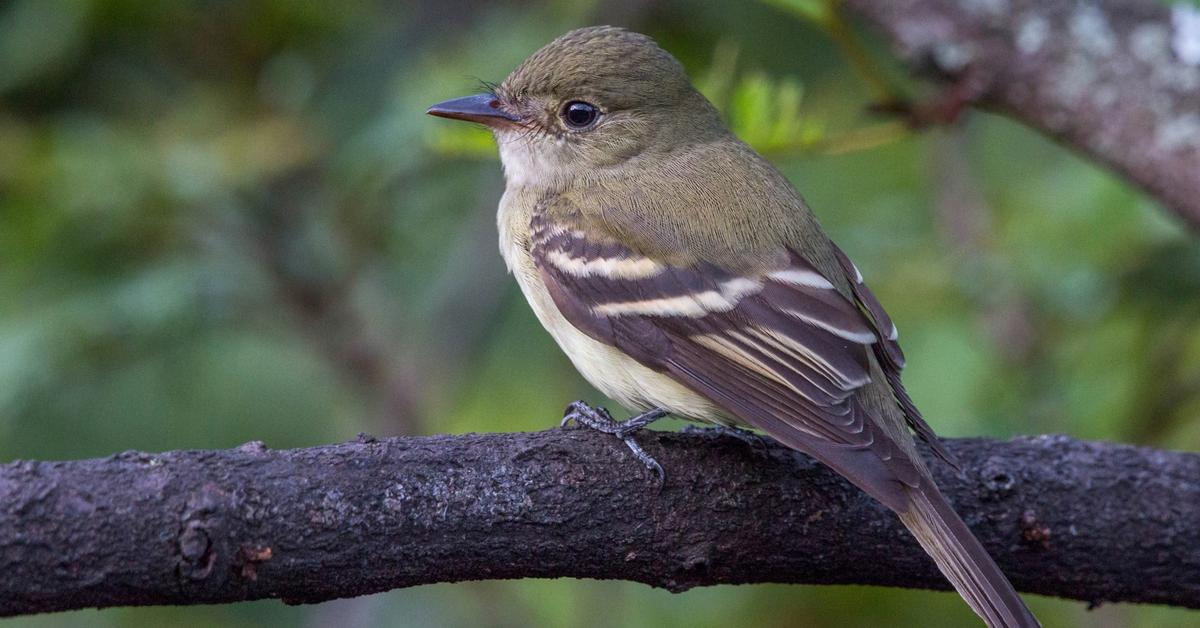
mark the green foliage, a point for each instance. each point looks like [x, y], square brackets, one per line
[225, 221]
[819, 12]
[471, 142]
[763, 111]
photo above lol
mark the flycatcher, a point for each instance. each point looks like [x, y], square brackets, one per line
[682, 274]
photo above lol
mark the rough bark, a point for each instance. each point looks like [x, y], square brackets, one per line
[1119, 80]
[1084, 520]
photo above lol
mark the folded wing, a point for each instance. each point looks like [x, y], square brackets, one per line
[780, 348]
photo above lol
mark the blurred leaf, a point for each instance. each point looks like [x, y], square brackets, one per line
[820, 12]
[768, 114]
[752, 109]
[718, 81]
[467, 141]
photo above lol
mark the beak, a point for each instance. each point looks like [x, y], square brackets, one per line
[481, 108]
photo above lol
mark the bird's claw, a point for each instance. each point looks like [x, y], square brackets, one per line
[596, 418]
[600, 420]
[646, 458]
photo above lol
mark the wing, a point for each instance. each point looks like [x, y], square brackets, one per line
[891, 358]
[781, 349]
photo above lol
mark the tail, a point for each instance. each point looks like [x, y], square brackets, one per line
[963, 560]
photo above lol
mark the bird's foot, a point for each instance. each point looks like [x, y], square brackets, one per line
[600, 420]
[759, 442]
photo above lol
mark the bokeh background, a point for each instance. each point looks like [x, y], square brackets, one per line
[223, 221]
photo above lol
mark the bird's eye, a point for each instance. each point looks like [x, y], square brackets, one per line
[579, 115]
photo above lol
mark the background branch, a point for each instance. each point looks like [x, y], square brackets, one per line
[1118, 80]
[1084, 520]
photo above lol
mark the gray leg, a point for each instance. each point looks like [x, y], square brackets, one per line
[600, 420]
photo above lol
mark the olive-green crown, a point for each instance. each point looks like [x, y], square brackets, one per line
[608, 65]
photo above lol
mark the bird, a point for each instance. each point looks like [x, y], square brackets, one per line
[683, 274]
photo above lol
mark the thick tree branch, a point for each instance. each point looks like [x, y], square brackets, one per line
[1116, 79]
[1090, 521]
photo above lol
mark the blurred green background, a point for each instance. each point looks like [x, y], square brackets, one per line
[231, 220]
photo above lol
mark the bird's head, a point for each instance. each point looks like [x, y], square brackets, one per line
[590, 100]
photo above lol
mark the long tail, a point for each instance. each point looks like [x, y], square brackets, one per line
[963, 560]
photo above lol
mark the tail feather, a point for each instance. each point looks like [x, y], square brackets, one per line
[964, 561]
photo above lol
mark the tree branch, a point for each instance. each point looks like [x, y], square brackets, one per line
[1118, 80]
[1084, 520]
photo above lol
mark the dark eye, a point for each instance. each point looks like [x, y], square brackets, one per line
[578, 114]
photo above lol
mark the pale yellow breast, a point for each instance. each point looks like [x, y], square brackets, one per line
[610, 371]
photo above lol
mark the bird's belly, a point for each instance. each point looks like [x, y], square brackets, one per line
[612, 372]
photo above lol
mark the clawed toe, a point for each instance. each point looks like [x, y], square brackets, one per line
[600, 420]
[595, 418]
[646, 458]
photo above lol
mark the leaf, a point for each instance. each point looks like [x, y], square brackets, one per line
[718, 82]
[462, 141]
[751, 108]
[819, 12]
[788, 121]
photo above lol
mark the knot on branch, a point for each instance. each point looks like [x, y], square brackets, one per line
[201, 529]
